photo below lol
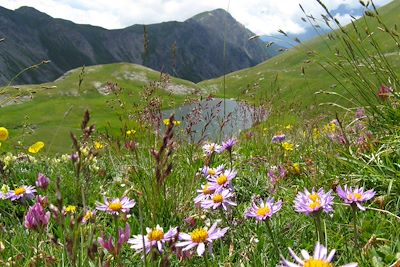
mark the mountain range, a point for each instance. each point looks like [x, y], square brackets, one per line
[192, 49]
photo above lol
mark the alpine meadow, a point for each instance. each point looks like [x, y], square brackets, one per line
[200, 142]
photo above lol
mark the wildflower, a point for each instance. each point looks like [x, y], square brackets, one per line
[200, 237]
[89, 215]
[288, 127]
[223, 180]
[316, 133]
[313, 202]
[74, 157]
[205, 193]
[278, 137]
[42, 181]
[36, 147]
[4, 191]
[3, 134]
[98, 145]
[175, 122]
[356, 196]
[276, 173]
[123, 236]
[154, 238]
[211, 148]
[287, 146]
[321, 258]
[384, 92]
[116, 206]
[360, 113]
[228, 144]
[295, 168]
[21, 193]
[36, 218]
[130, 132]
[212, 172]
[219, 199]
[265, 209]
[70, 209]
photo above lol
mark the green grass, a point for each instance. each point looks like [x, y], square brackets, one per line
[57, 107]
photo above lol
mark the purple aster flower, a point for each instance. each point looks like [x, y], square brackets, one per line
[123, 236]
[265, 209]
[313, 202]
[219, 199]
[22, 193]
[320, 258]
[116, 206]
[155, 238]
[200, 237]
[42, 181]
[212, 172]
[278, 137]
[223, 180]
[205, 193]
[36, 218]
[355, 196]
[228, 144]
[211, 148]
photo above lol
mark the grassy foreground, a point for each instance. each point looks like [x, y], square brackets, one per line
[132, 197]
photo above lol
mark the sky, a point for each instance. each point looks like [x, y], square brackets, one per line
[263, 17]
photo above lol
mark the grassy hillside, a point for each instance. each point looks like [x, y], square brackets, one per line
[50, 111]
[291, 79]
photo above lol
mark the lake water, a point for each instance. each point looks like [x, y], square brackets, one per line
[214, 119]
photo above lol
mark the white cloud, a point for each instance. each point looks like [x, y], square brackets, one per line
[260, 16]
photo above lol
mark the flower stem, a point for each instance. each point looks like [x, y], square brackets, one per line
[278, 252]
[206, 258]
[354, 208]
[320, 232]
[116, 257]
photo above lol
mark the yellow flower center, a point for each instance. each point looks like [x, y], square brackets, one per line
[207, 191]
[263, 211]
[199, 235]
[211, 172]
[314, 205]
[316, 263]
[155, 235]
[116, 206]
[222, 179]
[19, 191]
[314, 197]
[218, 198]
[356, 195]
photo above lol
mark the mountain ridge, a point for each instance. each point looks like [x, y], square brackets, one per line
[192, 49]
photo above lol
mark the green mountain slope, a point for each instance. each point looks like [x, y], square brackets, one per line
[50, 111]
[291, 79]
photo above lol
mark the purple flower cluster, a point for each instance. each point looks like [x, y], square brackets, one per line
[114, 249]
[278, 137]
[36, 218]
[312, 202]
[218, 191]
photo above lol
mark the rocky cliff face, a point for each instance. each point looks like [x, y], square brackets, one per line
[192, 50]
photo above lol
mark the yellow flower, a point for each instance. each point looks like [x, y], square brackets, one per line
[288, 127]
[330, 128]
[316, 133]
[287, 146]
[36, 147]
[3, 134]
[296, 168]
[166, 122]
[175, 122]
[70, 209]
[130, 132]
[98, 145]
